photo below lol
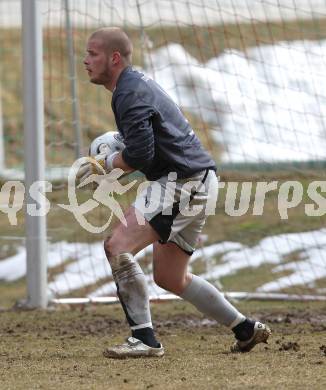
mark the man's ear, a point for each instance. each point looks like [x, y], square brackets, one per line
[116, 57]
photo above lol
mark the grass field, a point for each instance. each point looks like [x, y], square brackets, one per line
[62, 349]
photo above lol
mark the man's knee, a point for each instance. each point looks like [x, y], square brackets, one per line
[168, 283]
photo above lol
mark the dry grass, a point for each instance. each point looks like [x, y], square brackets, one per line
[201, 42]
[63, 348]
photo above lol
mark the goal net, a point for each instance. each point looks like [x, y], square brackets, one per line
[248, 75]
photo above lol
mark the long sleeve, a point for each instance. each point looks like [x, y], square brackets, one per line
[135, 118]
[158, 137]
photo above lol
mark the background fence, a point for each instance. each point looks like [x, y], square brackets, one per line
[249, 76]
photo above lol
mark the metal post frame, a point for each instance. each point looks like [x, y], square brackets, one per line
[34, 151]
[73, 82]
[2, 145]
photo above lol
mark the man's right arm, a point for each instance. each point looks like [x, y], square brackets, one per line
[135, 119]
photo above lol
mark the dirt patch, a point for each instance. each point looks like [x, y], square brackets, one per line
[296, 317]
[289, 346]
[323, 350]
[104, 321]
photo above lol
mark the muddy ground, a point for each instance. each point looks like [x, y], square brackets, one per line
[62, 348]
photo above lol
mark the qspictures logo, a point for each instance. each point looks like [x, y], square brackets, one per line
[240, 197]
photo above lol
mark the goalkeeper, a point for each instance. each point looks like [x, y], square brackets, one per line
[160, 143]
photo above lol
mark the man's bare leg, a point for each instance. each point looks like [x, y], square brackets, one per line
[130, 280]
[131, 238]
[170, 273]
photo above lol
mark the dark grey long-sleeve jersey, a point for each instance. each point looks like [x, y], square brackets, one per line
[158, 137]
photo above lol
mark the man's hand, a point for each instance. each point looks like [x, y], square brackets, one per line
[109, 161]
[96, 165]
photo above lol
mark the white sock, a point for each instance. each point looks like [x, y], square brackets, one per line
[208, 300]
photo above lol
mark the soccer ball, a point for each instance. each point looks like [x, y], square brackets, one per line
[108, 143]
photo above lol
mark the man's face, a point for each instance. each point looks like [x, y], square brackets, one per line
[97, 62]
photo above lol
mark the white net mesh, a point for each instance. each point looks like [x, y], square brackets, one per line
[249, 77]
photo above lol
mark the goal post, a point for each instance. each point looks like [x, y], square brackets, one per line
[2, 148]
[33, 100]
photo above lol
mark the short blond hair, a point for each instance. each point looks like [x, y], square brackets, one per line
[115, 39]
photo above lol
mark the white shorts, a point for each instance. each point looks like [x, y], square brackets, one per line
[177, 209]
